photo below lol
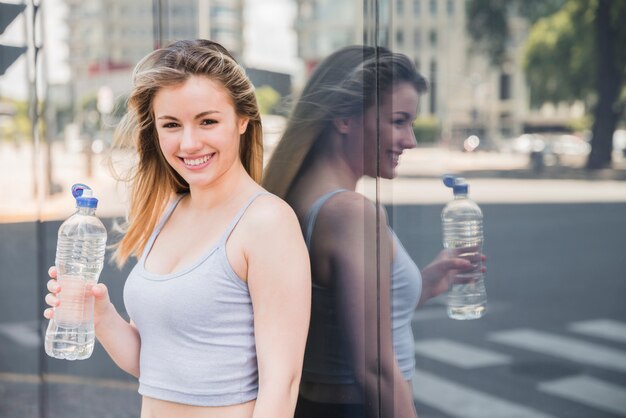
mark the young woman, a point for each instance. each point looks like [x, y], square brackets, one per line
[219, 299]
[354, 119]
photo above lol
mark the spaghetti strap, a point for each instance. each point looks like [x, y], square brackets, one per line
[239, 215]
[157, 229]
[311, 216]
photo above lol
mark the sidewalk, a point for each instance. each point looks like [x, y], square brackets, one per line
[493, 177]
[501, 178]
[20, 203]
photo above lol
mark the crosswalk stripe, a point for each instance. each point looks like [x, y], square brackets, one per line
[459, 355]
[604, 328]
[23, 333]
[564, 347]
[589, 391]
[462, 402]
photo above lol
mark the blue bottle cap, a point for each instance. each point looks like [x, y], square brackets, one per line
[84, 196]
[77, 189]
[460, 188]
[457, 184]
[449, 180]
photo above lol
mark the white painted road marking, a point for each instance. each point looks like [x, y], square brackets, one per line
[23, 333]
[459, 355]
[563, 347]
[462, 402]
[589, 391]
[604, 328]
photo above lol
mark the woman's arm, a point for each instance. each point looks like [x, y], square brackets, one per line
[361, 252]
[279, 281]
[119, 338]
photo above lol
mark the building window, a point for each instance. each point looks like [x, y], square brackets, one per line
[399, 7]
[505, 86]
[450, 7]
[399, 38]
[433, 87]
[417, 39]
[416, 7]
[433, 7]
[432, 37]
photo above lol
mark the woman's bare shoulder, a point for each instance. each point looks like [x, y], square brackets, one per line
[269, 214]
[347, 208]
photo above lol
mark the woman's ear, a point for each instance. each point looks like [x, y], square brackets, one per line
[243, 125]
[342, 125]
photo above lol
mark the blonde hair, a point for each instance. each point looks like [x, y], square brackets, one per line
[343, 85]
[154, 181]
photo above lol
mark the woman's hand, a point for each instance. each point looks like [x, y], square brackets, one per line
[119, 338]
[102, 302]
[439, 274]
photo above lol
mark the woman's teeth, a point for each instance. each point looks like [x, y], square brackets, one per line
[197, 161]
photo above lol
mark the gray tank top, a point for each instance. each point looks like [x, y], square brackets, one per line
[196, 327]
[326, 359]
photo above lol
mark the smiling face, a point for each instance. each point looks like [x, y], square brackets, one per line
[396, 113]
[198, 130]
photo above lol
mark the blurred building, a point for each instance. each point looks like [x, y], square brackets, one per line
[466, 95]
[106, 38]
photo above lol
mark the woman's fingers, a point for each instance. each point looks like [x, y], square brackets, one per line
[53, 286]
[52, 300]
[99, 290]
[48, 313]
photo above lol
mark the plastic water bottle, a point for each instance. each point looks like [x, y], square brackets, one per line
[462, 222]
[79, 261]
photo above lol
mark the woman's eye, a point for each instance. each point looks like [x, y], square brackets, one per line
[170, 125]
[208, 121]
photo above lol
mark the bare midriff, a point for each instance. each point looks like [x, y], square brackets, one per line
[156, 408]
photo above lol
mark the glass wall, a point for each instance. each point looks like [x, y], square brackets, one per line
[527, 110]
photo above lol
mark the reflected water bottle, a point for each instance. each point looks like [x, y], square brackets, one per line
[79, 260]
[462, 222]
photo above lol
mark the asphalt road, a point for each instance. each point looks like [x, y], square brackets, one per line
[553, 343]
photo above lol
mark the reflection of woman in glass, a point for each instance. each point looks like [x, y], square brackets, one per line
[357, 362]
[219, 300]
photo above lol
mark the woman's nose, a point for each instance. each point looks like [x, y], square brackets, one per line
[188, 141]
[407, 139]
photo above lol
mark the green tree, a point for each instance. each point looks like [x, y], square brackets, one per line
[16, 125]
[427, 130]
[575, 51]
[487, 22]
[268, 99]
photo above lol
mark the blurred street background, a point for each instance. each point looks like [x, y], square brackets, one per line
[526, 102]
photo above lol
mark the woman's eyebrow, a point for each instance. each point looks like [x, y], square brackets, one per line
[207, 113]
[198, 116]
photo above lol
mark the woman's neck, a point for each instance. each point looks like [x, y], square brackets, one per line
[232, 184]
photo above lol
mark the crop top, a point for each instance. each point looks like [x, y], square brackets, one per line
[196, 327]
[326, 358]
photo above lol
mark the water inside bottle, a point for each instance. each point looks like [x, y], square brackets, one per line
[69, 343]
